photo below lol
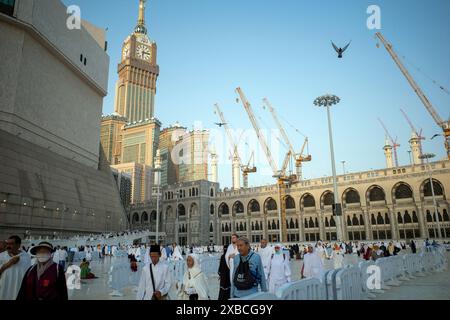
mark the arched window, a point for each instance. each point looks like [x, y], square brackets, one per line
[271, 204]
[352, 196]
[292, 224]
[260, 225]
[361, 220]
[290, 203]
[349, 221]
[380, 218]
[211, 227]
[274, 226]
[446, 217]
[399, 217]
[309, 201]
[403, 191]
[223, 209]
[317, 223]
[226, 227]
[296, 223]
[253, 206]
[386, 219]
[407, 217]
[311, 222]
[327, 224]
[332, 222]
[181, 210]
[376, 194]
[306, 223]
[429, 217]
[257, 226]
[355, 221]
[135, 217]
[253, 226]
[211, 209]
[211, 192]
[144, 217]
[372, 219]
[427, 192]
[153, 216]
[238, 207]
[223, 228]
[328, 199]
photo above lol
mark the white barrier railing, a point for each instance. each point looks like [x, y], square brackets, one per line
[351, 283]
[259, 296]
[306, 289]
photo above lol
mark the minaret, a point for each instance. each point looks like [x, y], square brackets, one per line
[388, 153]
[140, 27]
[214, 171]
[415, 145]
[236, 171]
[157, 168]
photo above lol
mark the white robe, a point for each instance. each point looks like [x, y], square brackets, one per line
[198, 283]
[162, 278]
[266, 254]
[11, 279]
[176, 255]
[279, 272]
[338, 258]
[230, 261]
[313, 266]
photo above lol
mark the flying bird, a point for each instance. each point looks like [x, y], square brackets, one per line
[340, 51]
[436, 135]
[219, 123]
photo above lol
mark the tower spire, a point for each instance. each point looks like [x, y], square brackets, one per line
[140, 28]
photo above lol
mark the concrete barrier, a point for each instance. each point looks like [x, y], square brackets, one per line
[305, 289]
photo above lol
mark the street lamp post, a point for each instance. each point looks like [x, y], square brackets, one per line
[176, 219]
[157, 171]
[327, 101]
[428, 156]
[343, 167]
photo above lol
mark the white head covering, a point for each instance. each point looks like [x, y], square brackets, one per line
[196, 267]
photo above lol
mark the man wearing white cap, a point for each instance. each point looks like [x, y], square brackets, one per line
[279, 269]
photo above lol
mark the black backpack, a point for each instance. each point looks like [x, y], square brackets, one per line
[243, 278]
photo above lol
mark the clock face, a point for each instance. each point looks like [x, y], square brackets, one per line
[143, 52]
[126, 52]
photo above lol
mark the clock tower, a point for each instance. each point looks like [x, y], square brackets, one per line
[138, 72]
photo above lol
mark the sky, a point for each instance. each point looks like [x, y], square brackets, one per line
[281, 49]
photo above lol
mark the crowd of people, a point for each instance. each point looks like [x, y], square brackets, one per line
[38, 272]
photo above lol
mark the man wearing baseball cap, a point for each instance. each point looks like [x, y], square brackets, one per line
[45, 280]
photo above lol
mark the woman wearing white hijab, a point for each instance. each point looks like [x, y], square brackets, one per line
[195, 283]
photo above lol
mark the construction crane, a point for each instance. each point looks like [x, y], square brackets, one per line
[298, 157]
[395, 145]
[246, 169]
[418, 133]
[445, 125]
[282, 180]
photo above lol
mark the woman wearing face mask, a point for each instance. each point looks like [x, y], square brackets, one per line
[45, 280]
[195, 283]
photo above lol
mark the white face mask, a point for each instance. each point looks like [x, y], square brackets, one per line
[43, 257]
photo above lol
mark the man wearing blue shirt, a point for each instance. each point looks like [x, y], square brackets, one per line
[246, 283]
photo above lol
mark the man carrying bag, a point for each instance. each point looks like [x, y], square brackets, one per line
[155, 280]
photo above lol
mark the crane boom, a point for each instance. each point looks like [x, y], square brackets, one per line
[259, 134]
[394, 142]
[227, 130]
[411, 81]
[280, 127]
[409, 122]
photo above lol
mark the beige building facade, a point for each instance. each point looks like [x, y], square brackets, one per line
[53, 177]
[391, 203]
